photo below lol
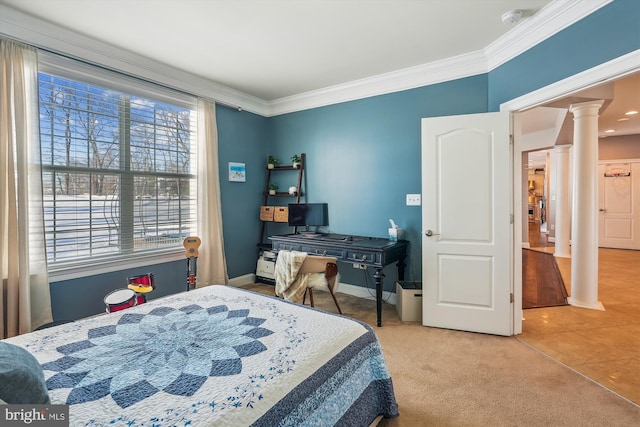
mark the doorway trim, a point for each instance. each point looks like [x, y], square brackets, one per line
[603, 73]
[608, 71]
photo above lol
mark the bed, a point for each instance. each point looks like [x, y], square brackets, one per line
[218, 355]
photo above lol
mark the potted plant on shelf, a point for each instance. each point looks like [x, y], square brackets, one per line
[296, 161]
[273, 188]
[272, 162]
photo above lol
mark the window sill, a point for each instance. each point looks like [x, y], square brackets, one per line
[89, 268]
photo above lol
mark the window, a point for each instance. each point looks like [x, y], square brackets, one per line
[118, 165]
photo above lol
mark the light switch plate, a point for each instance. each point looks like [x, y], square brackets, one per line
[413, 200]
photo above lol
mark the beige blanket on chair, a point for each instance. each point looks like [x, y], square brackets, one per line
[289, 284]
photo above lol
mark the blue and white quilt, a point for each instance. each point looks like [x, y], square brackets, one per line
[215, 356]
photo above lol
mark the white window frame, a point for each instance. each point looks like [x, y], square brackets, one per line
[50, 63]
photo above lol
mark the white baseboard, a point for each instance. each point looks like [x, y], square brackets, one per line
[343, 288]
[366, 293]
[247, 279]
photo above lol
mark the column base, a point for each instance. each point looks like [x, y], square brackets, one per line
[560, 255]
[594, 306]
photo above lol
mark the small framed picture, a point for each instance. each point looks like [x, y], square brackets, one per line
[237, 172]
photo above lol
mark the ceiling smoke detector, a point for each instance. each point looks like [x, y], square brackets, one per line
[512, 16]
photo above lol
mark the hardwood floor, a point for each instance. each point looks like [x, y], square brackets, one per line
[537, 239]
[542, 283]
[601, 345]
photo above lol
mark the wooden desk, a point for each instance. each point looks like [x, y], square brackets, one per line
[370, 251]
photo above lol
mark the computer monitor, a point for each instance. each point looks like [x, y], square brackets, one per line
[308, 214]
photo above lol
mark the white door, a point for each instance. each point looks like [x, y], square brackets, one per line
[467, 223]
[619, 214]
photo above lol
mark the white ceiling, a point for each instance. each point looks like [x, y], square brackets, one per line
[279, 49]
[273, 49]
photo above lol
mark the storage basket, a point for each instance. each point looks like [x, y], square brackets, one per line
[266, 213]
[281, 214]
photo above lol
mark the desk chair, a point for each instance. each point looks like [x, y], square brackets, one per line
[320, 264]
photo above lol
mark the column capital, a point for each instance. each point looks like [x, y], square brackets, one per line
[584, 108]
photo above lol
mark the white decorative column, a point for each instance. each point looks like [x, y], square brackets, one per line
[563, 202]
[584, 226]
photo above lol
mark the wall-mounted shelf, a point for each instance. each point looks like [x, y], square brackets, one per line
[266, 197]
[283, 194]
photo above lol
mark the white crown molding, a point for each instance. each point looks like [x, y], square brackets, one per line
[551, 19]
[556, 16]
[409, 78]
[41, 34]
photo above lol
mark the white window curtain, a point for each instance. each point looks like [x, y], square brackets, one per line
[212, 266]
[25, 300]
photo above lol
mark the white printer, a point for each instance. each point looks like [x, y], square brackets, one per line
[265, 270]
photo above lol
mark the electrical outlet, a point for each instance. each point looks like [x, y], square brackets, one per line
[360, 266]
[413, 200]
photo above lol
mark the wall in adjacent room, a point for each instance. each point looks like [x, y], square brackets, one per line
[619, 147]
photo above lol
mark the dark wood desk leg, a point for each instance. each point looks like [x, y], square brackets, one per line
[401, 266]
[378, 275]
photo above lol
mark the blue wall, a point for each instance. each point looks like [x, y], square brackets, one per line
[363, 156]
[83, 297]
[242, 137]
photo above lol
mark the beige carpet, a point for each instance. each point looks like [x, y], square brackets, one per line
[452, 378]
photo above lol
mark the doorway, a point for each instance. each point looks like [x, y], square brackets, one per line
[618, 191]
[538, 194]
[599, 344]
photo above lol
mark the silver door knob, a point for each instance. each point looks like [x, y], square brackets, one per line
[602, 210]
[430, 233]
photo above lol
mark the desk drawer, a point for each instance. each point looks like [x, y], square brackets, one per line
[314, 250]
[364, 257]
[283, 246]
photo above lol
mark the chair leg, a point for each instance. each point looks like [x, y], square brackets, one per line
[310, 296]
[331, 274]
[335, 300]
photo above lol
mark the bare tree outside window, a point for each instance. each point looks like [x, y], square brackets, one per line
[117, 173]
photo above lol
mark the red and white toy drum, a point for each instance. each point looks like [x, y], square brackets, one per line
[120, 299]
[143, 281]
